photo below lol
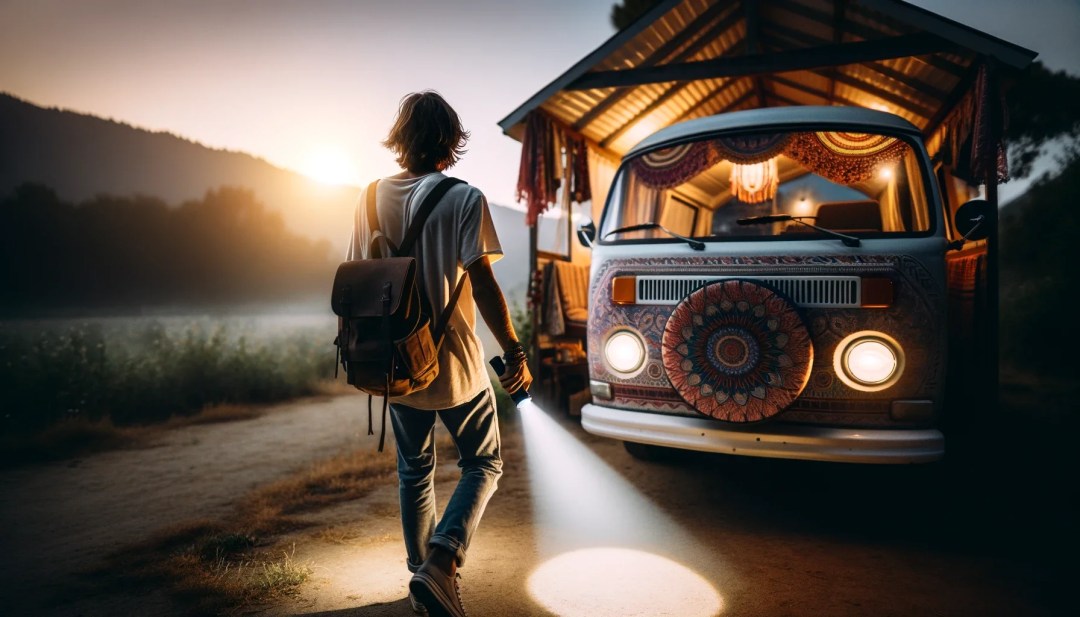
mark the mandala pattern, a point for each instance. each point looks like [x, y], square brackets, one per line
[737, 351]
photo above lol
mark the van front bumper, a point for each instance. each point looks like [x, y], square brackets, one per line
[772, 439]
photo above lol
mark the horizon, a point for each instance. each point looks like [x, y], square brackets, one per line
[311, 63]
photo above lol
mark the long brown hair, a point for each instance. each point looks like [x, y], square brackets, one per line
[427, 134]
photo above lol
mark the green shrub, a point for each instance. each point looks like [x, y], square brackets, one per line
[136, 373]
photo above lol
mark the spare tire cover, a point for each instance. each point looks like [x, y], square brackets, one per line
[737, 351]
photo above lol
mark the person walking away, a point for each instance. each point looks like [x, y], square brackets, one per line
[458, 239]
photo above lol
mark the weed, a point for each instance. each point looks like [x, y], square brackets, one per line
[132, 373]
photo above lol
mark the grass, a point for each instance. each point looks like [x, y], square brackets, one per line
[69, 377]
[221, 567]
[206, 568]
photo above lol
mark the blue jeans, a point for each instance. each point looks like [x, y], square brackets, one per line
[474, 428]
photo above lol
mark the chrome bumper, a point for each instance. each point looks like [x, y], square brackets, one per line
[775, 440]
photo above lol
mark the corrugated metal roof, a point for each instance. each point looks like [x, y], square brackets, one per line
[693, 58]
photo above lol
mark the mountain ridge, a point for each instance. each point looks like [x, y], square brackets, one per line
[81, 155]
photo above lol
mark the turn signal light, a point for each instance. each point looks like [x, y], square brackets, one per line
[877, 292]
[624, 289]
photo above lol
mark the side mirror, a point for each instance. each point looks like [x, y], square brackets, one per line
[972, 222]
[586, 233]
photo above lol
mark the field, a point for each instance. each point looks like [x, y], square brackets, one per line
[132, 371]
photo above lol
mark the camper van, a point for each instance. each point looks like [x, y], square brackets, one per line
[772, 283]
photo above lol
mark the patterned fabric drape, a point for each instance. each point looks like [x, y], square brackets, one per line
[662, 169]
[550, 151]
[971, 139]
[755, 183]
[988, 158]
[670, 167]
[747, 149]
[846, 158]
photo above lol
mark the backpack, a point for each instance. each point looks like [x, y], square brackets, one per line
[387, 343]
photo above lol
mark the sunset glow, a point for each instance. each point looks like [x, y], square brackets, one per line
[329, 165]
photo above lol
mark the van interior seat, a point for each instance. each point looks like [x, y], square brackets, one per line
[862, 215]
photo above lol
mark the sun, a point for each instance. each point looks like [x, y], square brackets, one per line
[329, 165]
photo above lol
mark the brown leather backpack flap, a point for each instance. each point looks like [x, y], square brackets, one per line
[358, 286]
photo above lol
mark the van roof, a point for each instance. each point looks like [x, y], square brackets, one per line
[854, 119]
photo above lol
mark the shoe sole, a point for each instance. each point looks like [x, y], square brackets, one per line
[432, 596]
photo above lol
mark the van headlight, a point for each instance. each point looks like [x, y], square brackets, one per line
[624, 351]
[869, 361]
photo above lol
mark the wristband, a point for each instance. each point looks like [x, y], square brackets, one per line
[515, 353]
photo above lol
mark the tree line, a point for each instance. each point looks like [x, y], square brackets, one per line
[115, 253]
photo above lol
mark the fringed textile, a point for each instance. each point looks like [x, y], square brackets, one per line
[748, 149]
[988, 158]
[846, 158]
[542, 167]
[662, 169]
[972, 135]
[755, 183]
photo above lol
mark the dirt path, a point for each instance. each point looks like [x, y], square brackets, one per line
[62, 518]
[577, 528]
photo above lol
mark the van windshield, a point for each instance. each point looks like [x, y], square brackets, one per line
[860, 184]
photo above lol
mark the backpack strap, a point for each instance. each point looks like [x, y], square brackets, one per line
[411, 234]
[424, 212]
[374, 231]
[426, 207]
[444, 317]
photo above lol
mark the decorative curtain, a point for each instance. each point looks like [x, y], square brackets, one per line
[673, 166]
[846, 158]
[971, 139]
[988, 158]
[756, 182]
[890, 208]
[601, 174]
[552, 157]
[920, 213]
[748, 149]
[641, 205]
[663, 169]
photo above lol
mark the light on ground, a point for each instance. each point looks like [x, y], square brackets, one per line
[598, 582]
[606, 549]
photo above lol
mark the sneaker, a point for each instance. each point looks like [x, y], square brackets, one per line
[417, 606]
[438, 592]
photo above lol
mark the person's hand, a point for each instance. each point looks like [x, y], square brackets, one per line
[516, 375]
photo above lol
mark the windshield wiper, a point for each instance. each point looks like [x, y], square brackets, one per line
[697, 245]
[777, 218]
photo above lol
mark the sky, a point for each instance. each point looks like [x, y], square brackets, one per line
[314, 86]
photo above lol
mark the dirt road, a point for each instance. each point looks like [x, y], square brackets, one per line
[578, 527]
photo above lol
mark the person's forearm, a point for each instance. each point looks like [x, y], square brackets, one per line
[492, 305]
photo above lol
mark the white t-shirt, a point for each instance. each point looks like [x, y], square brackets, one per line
[458, 232]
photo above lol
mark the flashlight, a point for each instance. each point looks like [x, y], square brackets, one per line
[518, 396]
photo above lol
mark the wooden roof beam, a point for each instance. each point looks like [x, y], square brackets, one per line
[661, 54]
[797, 37]
[862, 31]
[752, 17]
[957, 95]
[900, 101]
[689, 113]
[759, 64]
[791, 83]
[839, 10]
[720, 27]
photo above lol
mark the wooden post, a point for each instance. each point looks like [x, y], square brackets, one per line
[993, 294]
[534, 313]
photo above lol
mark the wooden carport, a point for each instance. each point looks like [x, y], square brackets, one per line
[685, 59]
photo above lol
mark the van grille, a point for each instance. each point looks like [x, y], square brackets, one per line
[809, 291]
